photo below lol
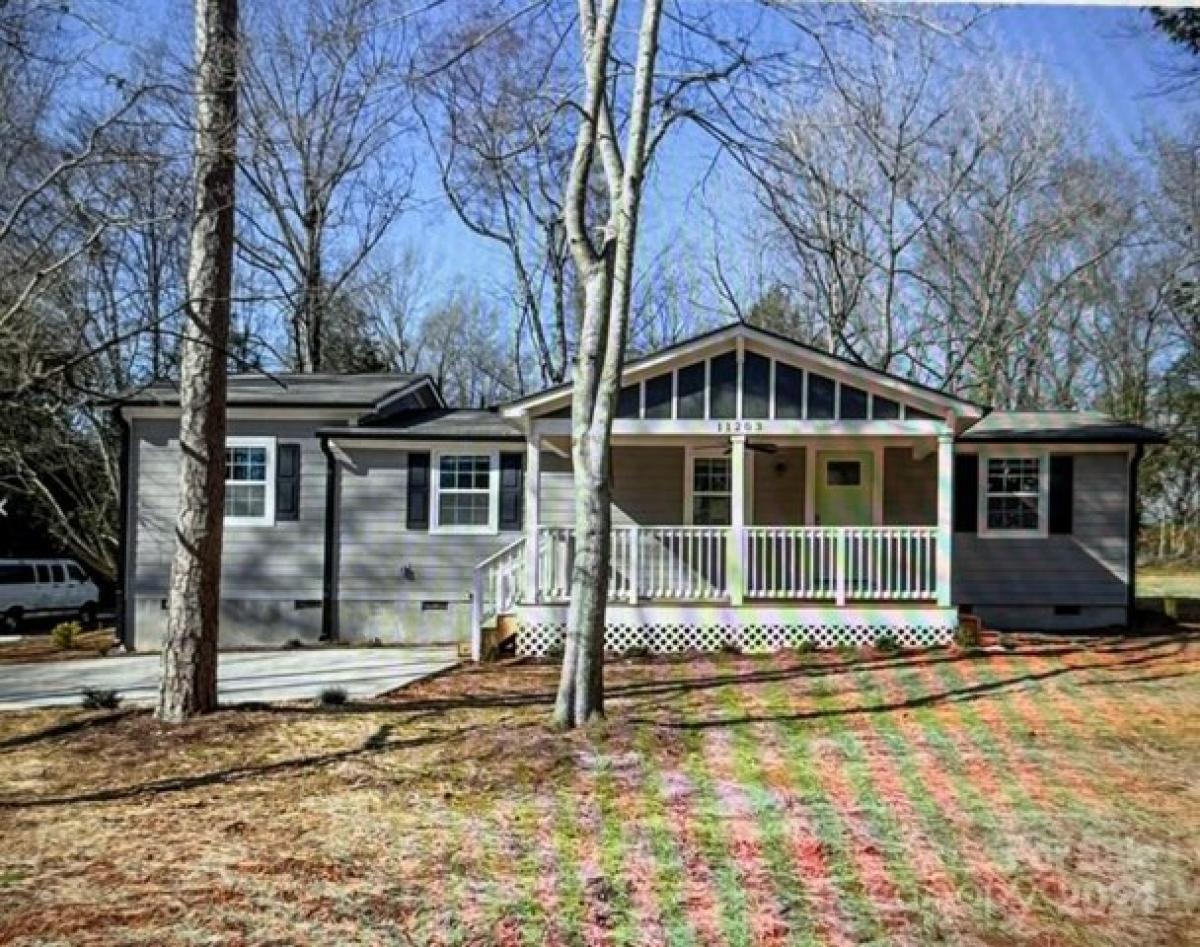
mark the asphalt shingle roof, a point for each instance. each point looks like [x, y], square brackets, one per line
[1088, 427]
[436, 424]
[289, 389]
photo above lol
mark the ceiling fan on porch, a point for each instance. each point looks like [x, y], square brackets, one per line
[761, 448]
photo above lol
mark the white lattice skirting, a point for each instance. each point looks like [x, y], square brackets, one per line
[665, 629]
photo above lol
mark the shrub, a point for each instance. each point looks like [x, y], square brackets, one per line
[333, 697]
[556, 651]
[1008, 642]
[637, 651]
[967, 634]
[66, 634]
[730, 648]
[847, 650]
[100, 698]
[887, 643]
[807, 646]
[293, 643]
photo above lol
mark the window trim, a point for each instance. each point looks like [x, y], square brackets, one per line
[689, 482]
[492, 527]
[1043, 495]
[268, 517]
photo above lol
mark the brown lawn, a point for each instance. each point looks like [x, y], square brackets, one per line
[1044, 795]
[39, 648]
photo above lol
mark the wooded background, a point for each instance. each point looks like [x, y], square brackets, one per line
[907, 195]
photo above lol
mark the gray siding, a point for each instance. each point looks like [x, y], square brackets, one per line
[909, 488]
[778, 487]
[1085, 568]
[265, 570]
[647, 487]
[396, 584]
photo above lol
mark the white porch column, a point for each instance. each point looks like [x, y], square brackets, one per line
[533, 469]
[736, 546]
[945, 516]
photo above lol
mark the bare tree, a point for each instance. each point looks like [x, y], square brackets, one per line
[496, 131]
[606, 275]
[324, 105]
[189, 656]
[91, 186]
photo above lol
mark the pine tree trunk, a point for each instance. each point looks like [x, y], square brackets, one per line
[189, 656]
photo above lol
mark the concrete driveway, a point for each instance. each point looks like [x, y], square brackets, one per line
[258, 675]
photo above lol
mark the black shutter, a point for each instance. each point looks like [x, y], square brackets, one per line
[966, 493]
[418, 490]
[287, 482]
[1062, 493]
[512, 491]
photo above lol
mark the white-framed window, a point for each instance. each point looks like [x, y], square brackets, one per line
[1012, 494]
[466, 492]
[710, 493]
[250, 481]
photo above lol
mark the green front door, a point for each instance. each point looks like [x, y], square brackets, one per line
[845, 488]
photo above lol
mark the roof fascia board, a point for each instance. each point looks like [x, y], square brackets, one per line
[321, 412]
[561, 427]
[381, 405]
[346, 440]
[867, 378]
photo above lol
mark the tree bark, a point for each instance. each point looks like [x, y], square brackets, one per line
[189, 656]
[606, 273]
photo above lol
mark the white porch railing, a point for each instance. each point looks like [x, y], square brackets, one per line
[693, 563]
[841, 563]
[496, 585]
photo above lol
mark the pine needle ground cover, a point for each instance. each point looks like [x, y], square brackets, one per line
[1041, 795]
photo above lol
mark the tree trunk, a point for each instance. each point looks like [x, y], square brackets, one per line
[607, 277]
[189, 656]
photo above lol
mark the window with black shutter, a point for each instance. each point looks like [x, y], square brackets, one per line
[418, 490]
[512, 491]
[287, 482]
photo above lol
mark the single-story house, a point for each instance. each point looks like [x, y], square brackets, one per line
[764, 493]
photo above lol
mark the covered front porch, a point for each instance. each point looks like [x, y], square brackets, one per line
[752, 540]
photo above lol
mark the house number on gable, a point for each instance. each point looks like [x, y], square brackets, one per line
[739, 427]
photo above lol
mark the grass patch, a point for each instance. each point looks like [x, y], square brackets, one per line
[1038, 795]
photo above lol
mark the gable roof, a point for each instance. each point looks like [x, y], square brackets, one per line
[433, 424]
[369, 392]
[644, 365]
[1061, 427]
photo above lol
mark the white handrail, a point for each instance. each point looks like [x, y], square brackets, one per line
[688, 563]
[495, 587]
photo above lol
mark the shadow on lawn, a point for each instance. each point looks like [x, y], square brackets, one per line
[964, 694]
[1140, 653]
[378, 742]
[541, 693]
[68, 728]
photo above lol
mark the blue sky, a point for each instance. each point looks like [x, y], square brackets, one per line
[1103, 56]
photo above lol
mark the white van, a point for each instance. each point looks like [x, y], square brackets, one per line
[49, 587]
